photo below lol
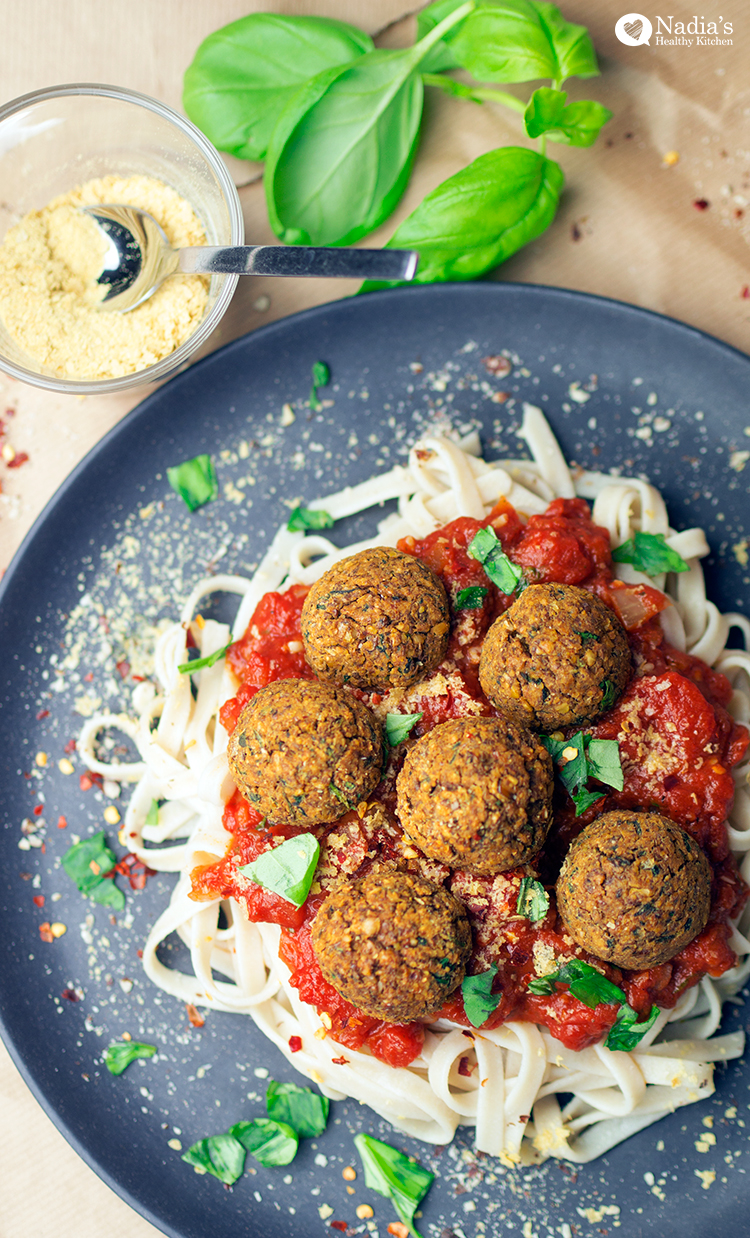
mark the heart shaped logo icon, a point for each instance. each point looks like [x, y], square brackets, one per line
[633, 28]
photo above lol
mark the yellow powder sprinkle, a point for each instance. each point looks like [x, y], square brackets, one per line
[58, 929]
[111, 815]
[41, 759]
[49, 262]
[671, 158]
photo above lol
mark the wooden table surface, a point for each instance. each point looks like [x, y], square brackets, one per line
[628, 228]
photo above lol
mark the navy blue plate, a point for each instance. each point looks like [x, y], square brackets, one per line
[623, 389]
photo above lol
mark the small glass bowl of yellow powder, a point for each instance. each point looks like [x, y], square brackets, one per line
[74, 146]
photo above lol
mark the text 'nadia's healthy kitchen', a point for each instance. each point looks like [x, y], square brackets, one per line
[699, 31]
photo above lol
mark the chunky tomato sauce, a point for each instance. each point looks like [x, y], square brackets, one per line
[677, 746]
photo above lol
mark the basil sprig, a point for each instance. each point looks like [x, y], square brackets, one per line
[87, 863]
[287, 870]
[244, 75]
[119, 1055]
[592, 988]
[470, 598]
[303, 518]
[398, 726]
[485, 547]
[200, 664]
[395, 1176]
[650, 554]
[594, 758]
[479, 1000]
[532, 901]
[301, 1108]
[195, 481]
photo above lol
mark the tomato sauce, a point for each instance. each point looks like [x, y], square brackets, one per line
[677, 745]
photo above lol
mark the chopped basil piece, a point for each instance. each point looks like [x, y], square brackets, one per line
[200, 664]
[626, 1032]
[87, 863]
[121, 1053]
[271, 1143]
[395, 1176]
[486, 549]
[339, 795]
[584, 982]
[321, 376]
[583, 799]
[479, 1000]
[533, 900]
[194, 481]
[473, 597]
[308, 518]
[584, 757]
[152, 816]
[603, 758]
[301, 1108]
[543, 986]
[398, 726]
[609, 695]
[220, 1155]
[585, 636]
[287, 870]
[650, 554]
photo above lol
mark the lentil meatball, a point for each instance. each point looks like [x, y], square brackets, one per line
[634, 889]
[476, 794]
[377, 620]
[393, 944]
[558, 657]
[305, 753]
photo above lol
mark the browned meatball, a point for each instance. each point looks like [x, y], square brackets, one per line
[476, 794]
[305, 753]
[558, 657]
[634, 889]
[377, 620]
[393, 944]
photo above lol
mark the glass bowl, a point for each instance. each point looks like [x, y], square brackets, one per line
[54, 139]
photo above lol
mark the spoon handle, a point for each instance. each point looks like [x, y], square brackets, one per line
[299, 260]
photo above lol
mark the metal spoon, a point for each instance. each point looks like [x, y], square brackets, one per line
[139, 258]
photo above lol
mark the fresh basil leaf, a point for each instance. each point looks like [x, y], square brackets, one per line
[107, 894]
[626, 1032]
[649, 553]
[119, 1055]
[220, 1155]
[439, 57]
[533, 900]
[201, 664]
[583, 799]
[321, 376]
[398, 726]
[555, 747]
[609, 694]
[578, 124]
[518, 41]
[271, 1143]
[573, 772]
[303, 518]
[243, 75]
[543, 986]
[86, 862]
[485, 547]
[479, 1000]
[395, 1176]
[194, 481]
[471, 598]
[340, 155]
[287, 870]
[589, 985]
[152, 816]
[477, 218]
[301, 1108]
[603, 759]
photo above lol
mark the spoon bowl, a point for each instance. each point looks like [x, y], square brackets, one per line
[139, 258]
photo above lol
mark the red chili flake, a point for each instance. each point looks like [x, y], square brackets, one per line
[123, 669]
[70, 747]
[135, 870]
[139, 953]
[70, 995]
[104, 623]
[745, 291]
[43, 848]
[89, 678]
[19, 458]
[738, 212]
[38, 900]
[575, 233]
[464, 1068]
[701, 204]
[195, 1017]
[10, 412]
[62, 823]
[38, 810]
[497, 365]
[25, 876]
[45, 931]
[342, 1225]
[138, 678]
[190, 642]
[295, 1044]
[89, 780]
[340, 1061]
[43, 713]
